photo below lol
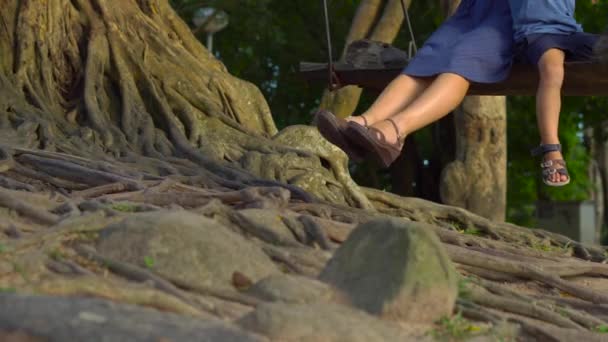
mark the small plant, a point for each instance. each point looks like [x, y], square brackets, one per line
[458, 226]
[548, 247]
[149, 262]
[87, 236]
[455, 328]
[463, 287]
[124, 207]
[473, 231]
[602, 329]
[17, 268]
[3, 248]
[56, 254]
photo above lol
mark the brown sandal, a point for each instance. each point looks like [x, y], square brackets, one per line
[550, 167]
[374, 142]
[333, 129]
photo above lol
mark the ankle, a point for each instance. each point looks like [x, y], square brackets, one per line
[549, 140]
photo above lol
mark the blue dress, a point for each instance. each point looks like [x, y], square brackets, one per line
[476, 43]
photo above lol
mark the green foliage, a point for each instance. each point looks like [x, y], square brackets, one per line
[266, 40]
[464, 290]
[3, 248]
[149, 262]
[455, 328]
[57, 254]
[602, 329]
[124, 207]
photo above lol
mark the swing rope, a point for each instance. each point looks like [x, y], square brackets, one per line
[406, 15]
[333, 80]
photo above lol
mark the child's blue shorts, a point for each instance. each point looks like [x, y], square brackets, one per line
[578, 46]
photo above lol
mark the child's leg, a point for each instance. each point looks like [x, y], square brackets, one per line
[394, 98]
[548, 102]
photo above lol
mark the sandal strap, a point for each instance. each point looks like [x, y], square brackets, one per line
[553, 162]
[545, 148]
[395, 127]
[550, 167]
[365, 124]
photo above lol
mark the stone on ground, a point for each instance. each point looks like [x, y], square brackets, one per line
[290, 289]
[86, 319]
[184, 247]
[324, 322]
[395, 269]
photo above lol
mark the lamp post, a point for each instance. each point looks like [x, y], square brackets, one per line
[210, 21]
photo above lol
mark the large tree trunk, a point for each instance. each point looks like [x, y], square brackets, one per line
[343, 102]
[477, 179]
[97, 77]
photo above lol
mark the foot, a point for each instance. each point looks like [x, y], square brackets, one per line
[360, 119]
[375, 142]
[332, 129]
[554, 172]
[389, 130]
[556, 177]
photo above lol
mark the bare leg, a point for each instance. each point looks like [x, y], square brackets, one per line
[444, 94]
[548, 102]
[394, 98]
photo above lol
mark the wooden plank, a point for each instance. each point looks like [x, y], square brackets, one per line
[582, 79]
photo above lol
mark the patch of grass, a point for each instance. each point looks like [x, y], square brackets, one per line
[8, 290]
[149, 262]
[17, 268]
[547, 247]
[124, 207]
[455, 328]
[602, 329]
[473, 231]
[56, 254]
[463, 287]
[3, 248]
[88, 236]
[458, 226]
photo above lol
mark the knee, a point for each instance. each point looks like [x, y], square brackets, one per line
[551, 71]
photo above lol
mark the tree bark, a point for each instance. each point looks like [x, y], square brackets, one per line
[344, 101]
[477, 179]
[129, 80]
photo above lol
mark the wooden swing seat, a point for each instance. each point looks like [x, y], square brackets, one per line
[366, 67]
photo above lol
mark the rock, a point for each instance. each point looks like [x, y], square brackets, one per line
[290, 289]
[87, 319]
[268, 225]
[395, 269]
[186, 248]
[323, 322]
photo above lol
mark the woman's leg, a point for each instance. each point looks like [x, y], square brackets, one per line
[444, 94]
[394, 98]
[548, 102]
